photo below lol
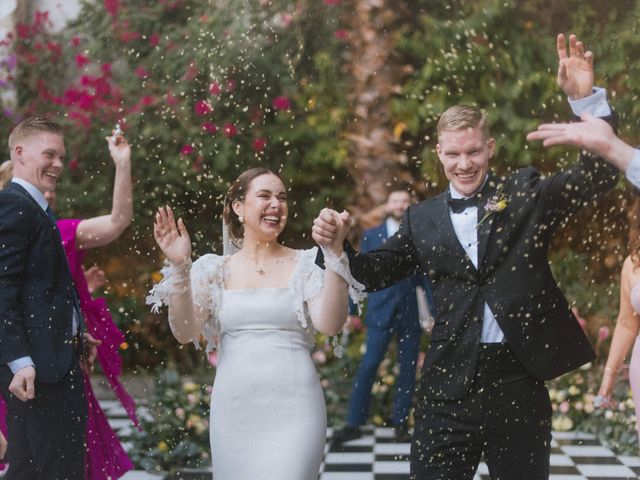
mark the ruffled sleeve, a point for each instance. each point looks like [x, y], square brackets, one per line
[202, 282]
[309, 280]
[340, 266]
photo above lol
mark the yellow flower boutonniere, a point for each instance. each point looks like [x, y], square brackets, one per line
[495, 204]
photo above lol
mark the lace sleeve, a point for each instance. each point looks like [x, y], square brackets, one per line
[310, 286]
[198, 283]
[340, 266]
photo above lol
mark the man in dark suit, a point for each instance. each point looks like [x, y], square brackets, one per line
[40, 323]
[389, 311]
[502, 325]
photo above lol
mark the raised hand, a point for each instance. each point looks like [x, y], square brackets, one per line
[575, 70]
[172, 238]
[95, 277]
[592, 133]
[119, 149]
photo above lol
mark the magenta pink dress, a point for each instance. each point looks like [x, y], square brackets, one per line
[106, 459]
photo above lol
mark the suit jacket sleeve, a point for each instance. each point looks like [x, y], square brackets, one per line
[566, 192]
[394, 260]
[15, 215]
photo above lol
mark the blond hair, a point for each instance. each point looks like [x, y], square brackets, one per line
[6, 173]
[461, 117]
[31, 126]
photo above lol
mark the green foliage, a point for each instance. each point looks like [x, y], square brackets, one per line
[175, 426]
[572, 400]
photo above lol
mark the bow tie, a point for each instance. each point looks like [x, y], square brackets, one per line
[458, 205]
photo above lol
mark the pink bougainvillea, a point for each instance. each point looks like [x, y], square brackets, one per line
[112, 7]
[281, 103]
[186, 149]
[229, 130]
[202, 107]
[259, 144]
[81, 60]
[154, 40]
[210, 127]
[214, 89]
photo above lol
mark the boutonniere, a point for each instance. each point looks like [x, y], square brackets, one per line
[495, 204]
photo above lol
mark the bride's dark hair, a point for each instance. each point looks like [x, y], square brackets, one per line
[236, 192]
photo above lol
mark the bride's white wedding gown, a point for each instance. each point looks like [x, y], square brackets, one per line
[268, 416]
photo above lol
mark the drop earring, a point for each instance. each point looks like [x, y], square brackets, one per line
[240, 218]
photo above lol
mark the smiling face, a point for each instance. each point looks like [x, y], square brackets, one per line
[264, 209]
[38, 159]
[465, 154]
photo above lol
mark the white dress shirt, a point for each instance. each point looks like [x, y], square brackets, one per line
[465, 223]
[392, 225]
[38, 196]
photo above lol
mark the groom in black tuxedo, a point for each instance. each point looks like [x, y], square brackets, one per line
[40, 323]
[502, 325]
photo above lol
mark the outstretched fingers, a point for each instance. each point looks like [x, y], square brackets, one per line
[561, 46]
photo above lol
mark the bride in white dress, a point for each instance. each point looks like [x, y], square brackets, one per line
[261, 307]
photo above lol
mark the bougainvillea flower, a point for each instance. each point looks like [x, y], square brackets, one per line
[106, 68]
[154, 40]
[259, 144]
[230, 130]
[186, 149]
[210, 127]
[141, 72]
[202, 108]
[214, 89]
[281, 103]
[112, 7]
[81, 60]
[341, 34]
[332, 2]
[75, 41]
[231, 86]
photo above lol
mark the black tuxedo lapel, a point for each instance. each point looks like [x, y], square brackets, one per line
[485, 229]
[442, 218]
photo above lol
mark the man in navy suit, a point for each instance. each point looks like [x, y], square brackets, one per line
[389, 311]
[41, 337]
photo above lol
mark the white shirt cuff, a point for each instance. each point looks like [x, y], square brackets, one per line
[20, 363]
[633, 170]
[596, 104]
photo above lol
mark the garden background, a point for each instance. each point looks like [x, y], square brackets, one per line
[340, 96]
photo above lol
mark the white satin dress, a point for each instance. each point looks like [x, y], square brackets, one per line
[268, 416]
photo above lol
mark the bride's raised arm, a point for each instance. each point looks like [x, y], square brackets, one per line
[188, 309]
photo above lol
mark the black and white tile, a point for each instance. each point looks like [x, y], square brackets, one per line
[375, 456]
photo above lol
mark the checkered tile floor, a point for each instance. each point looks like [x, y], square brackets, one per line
[375, 456]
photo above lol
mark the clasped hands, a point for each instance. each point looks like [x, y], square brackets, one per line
[330, 229]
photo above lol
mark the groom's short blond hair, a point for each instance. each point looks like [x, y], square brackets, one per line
[461, 117]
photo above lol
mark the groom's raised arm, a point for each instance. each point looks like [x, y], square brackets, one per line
[377, 269]
[566, 192]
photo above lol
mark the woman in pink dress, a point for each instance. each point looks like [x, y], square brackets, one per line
[106, 459]
[627, 327]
